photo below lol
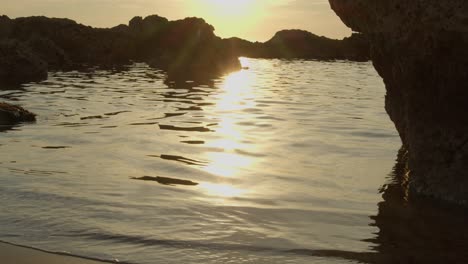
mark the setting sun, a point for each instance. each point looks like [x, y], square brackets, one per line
[230, 8]
[230, 17]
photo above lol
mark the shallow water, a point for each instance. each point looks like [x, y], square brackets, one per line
[289, 157]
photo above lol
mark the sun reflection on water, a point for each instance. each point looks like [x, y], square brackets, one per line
[227, 164]
[222, 190]
[237, 91]
[236, 96]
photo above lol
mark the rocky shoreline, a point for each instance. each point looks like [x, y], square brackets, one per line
[31, 46]
[187, 48]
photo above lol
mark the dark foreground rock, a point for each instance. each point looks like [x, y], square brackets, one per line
[420, 50]
[12, 114]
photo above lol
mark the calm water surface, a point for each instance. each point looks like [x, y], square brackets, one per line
[289, 157]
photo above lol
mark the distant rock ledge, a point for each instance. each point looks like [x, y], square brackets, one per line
[300, 44]
[187, 48]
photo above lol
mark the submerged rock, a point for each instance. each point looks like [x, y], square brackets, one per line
[420, 50]
[12, 114]
[166, 180]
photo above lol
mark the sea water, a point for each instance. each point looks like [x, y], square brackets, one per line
[288, 158]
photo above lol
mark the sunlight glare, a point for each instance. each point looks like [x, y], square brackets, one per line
[222, 190]
[226, 164]
[238, 92]
[245, 62]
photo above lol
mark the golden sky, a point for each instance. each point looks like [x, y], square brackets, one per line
[255, 20]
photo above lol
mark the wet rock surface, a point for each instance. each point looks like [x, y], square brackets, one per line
[419, 48]
[18, 63]
[12, 114]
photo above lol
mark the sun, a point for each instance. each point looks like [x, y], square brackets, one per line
[229, 17]
[236, 8]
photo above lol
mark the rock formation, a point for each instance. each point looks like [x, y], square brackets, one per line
[12, 114]
[185, 49]
[300, 44]
[18, 63]
[33, 45]
[419, 49]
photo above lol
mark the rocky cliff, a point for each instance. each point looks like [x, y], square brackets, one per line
[420, 50]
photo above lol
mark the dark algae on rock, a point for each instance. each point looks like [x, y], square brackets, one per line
[420, 50]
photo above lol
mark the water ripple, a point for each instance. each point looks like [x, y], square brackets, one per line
[282, 160]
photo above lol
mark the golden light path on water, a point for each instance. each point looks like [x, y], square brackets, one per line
[237, 94]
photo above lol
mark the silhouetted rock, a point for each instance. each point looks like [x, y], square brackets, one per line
[190, 47]
[18, 64]
[5, 27]
[356, 47]
[185, 49]
[420, 50]
[244, 48]
[49, 52]
[12, 114]
[300, 44]
[148, 26]
[63, 41]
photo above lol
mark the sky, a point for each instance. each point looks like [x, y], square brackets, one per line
[254, 20]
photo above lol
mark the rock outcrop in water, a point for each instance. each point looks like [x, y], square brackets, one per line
[12, 114]
[419, 48]
[186, 49]
[300, 44]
